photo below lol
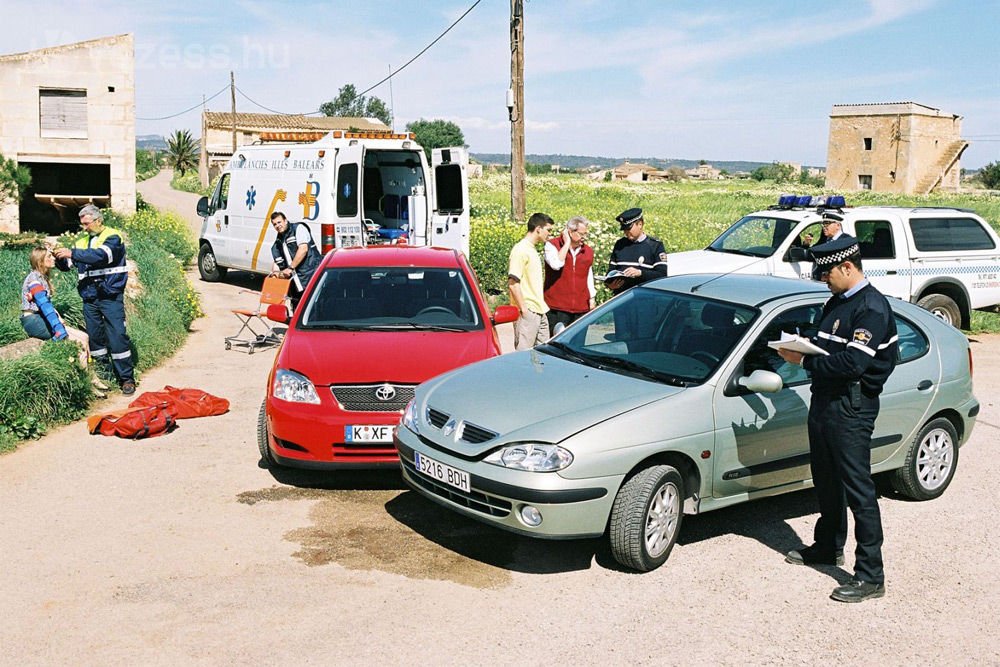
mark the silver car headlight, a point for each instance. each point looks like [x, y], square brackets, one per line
[410, 416]
[532, 457]
[294, 387]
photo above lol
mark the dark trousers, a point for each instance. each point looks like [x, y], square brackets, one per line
[563, 317]
[840, 459]
[105, 320]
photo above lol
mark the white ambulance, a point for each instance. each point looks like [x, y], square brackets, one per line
[351, 188]
[944, 259]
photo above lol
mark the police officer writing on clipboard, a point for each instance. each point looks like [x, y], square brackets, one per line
[636, 257]
[858, 331]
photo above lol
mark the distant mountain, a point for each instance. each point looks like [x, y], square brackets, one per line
[154, 141]
[573, 162]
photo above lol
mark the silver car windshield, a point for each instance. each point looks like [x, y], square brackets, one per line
[662, 336]
[754, 236]
[391, 298]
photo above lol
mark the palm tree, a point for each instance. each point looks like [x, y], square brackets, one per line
[182, 151]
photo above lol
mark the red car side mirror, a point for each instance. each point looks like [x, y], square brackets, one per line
[277, 312]
[505, 314]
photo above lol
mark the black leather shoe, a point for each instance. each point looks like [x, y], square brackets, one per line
[856, 590]
[128, 387]
[812, 556]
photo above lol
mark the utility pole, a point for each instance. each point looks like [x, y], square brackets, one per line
[515, 105]
[232, 96]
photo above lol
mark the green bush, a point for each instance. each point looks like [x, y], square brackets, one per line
[49, 387]
[41, 389]
[191, 182]
[147, 163]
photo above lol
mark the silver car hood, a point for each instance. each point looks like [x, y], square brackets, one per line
[529, 396]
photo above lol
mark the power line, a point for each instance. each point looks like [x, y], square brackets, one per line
[181, 113]
[376, 85]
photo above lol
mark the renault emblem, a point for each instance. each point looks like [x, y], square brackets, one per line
[385, 393]
[449, 427]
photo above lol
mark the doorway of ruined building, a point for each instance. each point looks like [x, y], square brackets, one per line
[59, 190]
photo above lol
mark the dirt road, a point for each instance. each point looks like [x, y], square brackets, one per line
[181, 550]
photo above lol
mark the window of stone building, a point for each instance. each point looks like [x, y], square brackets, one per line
[865, 181]
[62, 113]
[868, 143]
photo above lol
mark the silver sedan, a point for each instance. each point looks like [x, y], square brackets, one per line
[668, 401]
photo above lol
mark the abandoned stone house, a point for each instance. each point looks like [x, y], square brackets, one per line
[67, 113]
[218, 129]
[900, 147]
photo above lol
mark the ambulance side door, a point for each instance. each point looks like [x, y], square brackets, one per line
[450, 215]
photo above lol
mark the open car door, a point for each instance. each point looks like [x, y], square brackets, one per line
[450, 214]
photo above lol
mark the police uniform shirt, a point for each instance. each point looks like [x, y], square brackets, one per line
[859, 333]
[647, 254]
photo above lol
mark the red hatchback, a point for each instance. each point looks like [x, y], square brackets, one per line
[373, 324]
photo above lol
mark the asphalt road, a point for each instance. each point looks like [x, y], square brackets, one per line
[181, 550]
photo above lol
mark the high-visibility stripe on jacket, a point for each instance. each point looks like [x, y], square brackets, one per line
[100, 262]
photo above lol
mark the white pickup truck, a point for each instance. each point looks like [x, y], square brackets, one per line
[944, 259]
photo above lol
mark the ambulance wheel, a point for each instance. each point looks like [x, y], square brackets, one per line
[262, 437]
[209, 269]
[943, 308]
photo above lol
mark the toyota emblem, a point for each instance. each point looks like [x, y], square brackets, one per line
[385, 393]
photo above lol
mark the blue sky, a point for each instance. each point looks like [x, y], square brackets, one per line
[715, 79]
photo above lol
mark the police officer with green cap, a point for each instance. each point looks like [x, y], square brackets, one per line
[636, 257]
[858, 332]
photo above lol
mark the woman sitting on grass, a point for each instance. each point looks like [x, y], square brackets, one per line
[35, 325]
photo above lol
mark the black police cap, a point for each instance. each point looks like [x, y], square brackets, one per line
[629, 218]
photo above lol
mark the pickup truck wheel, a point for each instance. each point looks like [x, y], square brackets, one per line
[646, 518]
[943, 308]
[930, 463]
[209, 269]
[262, 437]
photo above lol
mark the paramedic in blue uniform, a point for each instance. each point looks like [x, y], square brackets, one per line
[858, 331]
[99, 258]
[639, 257]
[294, 253]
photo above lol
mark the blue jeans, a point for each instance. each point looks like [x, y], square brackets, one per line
[34, 325]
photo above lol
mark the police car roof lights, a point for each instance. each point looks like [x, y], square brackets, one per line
[789, 201]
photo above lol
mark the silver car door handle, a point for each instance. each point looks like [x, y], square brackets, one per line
[924, 384]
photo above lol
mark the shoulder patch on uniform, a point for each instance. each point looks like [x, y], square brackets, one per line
[862, 336]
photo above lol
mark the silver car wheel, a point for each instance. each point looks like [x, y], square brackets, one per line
[661, 520]
[935, 458]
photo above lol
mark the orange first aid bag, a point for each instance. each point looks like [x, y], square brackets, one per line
[184, 403]
[141, 422]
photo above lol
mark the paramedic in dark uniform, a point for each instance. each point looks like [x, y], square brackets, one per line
[640, 257]
[858, 331]
[295, 255]
[99, 258]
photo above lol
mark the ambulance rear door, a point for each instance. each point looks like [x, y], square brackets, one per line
[348, 227]
[450, 214]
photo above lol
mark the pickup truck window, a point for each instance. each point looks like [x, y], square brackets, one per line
[756, 236]
[875, 239]
[950, 234]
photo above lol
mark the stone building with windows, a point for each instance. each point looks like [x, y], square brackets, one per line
[218, 129]
[67, 113]
[901, 147]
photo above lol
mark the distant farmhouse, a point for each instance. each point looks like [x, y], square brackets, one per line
[901, 147]
[67, 113]
[217, 129]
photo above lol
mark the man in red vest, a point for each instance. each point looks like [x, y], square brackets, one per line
[569, 274]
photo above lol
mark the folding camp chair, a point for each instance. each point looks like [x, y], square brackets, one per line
[255, 331]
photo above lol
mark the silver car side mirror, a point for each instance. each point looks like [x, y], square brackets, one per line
[762, 381]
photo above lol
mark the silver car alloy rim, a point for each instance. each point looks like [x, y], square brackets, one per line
[935, 457]
[661, 520]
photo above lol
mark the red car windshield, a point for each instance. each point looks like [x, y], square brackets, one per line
[362, 298]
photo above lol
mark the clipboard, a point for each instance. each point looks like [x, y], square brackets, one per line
[797, 343]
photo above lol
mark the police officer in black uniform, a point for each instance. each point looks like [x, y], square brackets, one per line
[294, 253]
[858, 331]
[638, 257]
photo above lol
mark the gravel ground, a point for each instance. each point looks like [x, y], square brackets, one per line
[181, 550]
